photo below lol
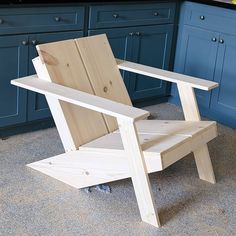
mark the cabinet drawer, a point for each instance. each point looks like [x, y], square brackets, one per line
[27, 20]
[130, 15]
[210, 17]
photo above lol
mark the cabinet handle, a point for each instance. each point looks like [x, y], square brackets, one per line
[131, 34]
[221, 41]
[57, 18]
[34, 42]
[213, 39]
[156, 14]
[1, 21]
[115, 16]
[202, 17]
[137, 33]
[24, 42]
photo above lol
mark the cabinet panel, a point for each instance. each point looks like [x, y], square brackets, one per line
[152, 47]
[224, 97]
[197, 56]
[37, 104]
[131, 15]
[209, 17]
[121, 44]
[40, 19]
[13, 57]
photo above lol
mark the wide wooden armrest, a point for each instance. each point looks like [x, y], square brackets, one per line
[166, 75]
[82, 99]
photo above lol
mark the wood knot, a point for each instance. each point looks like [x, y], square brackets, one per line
[47, 58]
[105, 89]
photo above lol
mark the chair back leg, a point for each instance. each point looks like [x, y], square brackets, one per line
[191, 113]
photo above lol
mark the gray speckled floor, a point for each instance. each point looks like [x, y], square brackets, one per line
[34, 204]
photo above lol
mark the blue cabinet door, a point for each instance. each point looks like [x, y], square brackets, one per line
[13, 58]
[37, 104]
[121, 44]
[152, 47]
[223, 101]
[196, 56]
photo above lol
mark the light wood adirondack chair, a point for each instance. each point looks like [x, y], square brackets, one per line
[104, 137]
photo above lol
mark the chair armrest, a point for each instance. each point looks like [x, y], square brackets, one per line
[166, 75]
[99, 104]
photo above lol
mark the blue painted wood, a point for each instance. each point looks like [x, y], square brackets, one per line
[224, 98]
[13, 58]
[37, 104]
[196, 57]
[209, 17]
[210, 54]
[152, 47]
[41, 19]
[106, 16]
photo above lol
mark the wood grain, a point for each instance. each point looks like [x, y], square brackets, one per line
[103, 72]
[65, 67]
[166, 75]
[191, 113]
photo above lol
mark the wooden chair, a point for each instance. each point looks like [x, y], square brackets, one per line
[104, 137]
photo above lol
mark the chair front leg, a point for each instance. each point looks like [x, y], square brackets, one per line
[138, 171]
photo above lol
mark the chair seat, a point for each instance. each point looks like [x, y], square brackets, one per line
[164, 139]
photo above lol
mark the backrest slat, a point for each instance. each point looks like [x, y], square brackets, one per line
[65, 67]
[103, 72]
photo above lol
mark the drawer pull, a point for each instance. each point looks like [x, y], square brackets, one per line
[131, 34]
[34, 42]
[221, 41]
[137, 33]
[57, 18]
[24, 42]
[202, 17]
[213, 39]
[115, 16]
[156, 14]
[1, 21]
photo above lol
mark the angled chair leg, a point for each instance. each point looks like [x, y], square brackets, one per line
[139, 173]
[204, 165]
[191, 113]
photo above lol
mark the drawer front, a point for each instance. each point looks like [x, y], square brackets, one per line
[130, 15]
[210, 17]
[28, 20]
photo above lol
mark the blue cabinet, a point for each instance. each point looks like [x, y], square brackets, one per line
[223, 101]
[13, 58]
[152, 47]
[206, 48]
[196, 57]
[37, 104]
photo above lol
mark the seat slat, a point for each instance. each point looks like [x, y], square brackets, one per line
[159, 140]
[168, 127]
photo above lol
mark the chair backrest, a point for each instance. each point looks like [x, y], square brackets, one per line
[86, 64]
